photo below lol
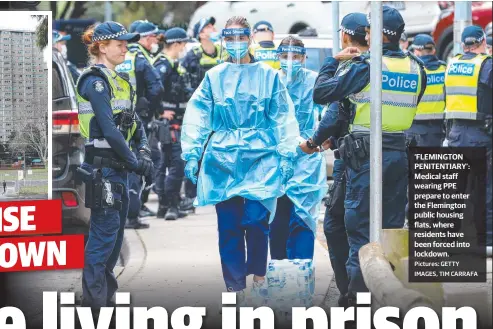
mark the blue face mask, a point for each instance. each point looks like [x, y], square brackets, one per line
[237, 50]
[295, 66]
[214, 36]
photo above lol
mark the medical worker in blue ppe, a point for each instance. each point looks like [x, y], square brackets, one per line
[398, 110]
[108, 123]
[292, 233]
[245, 109]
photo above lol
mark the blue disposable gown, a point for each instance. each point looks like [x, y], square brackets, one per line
[308, 185]
[248, 114]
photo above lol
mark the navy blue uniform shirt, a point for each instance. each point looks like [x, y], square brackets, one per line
[148, 80]
[432, 62]
[104, 125]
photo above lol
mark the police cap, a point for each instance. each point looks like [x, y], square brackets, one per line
[262, 26]
[393, 23]
[354, 24]
[423, 41]
[113, 31]
[199, 26]
[176, 34]
[472, 35]
[146, 28]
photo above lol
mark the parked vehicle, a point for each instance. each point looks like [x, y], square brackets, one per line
[443, 34]
[68, 149]
[295, 16]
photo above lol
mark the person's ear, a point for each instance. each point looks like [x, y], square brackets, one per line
[103, 48]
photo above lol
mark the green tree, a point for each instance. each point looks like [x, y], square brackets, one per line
[41, 31]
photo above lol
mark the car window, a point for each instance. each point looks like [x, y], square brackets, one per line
[57, 89]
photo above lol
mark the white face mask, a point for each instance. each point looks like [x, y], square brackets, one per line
[63, 51]
[182, 53]
[154, 48]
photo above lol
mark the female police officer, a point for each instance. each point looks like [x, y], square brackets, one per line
[107, 122]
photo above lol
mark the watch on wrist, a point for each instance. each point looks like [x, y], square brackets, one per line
[310, 144]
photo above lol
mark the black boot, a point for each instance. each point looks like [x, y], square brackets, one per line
[187, 205]
[173, 212]
[136, 223]
[163, 207]
[146, 212]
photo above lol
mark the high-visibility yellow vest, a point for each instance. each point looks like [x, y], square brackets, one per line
[128, 66]
[432, 105]
[266, 55]
[121, 100]
[461, 86]
[401, 85]
[207, 61]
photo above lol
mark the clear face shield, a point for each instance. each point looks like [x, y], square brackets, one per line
[292, 59]
[236, 42]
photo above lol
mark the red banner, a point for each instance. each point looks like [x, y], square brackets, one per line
[30, 217]
[42, 253]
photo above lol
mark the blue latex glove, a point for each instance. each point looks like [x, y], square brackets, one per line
[191, 170]
[287, 170]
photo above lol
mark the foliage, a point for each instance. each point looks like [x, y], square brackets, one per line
[41, 31]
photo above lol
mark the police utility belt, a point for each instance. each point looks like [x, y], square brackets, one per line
[354, 148]
[100, 155]
[99, 191]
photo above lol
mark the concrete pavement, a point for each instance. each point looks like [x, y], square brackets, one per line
[176, 263]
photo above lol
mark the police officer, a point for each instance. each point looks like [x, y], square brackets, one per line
[146, 82]
[469, 103]
[197, 62]
[404, 42]
[427, 129]
[108, 123]
[334, 125]
[488, 45]
[204, 57]
[173, 76]
[398, 110]
[60, 43]
[264, 49]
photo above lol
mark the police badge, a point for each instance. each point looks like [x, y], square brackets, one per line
[98, 86]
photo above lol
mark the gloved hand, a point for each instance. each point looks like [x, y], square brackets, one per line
[191, 170]
[145, 165]
[287, 170]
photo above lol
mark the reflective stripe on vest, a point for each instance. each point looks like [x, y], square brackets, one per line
[432, 105]
[401, 85]
[120, 101]
[266, 55]
[461, 85]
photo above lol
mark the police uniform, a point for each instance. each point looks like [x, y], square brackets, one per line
[108, 123]
[399, 106]
[170, 173]
[145, 81]
[334, 125]
[265, 51]
[428, 126]
[469, 106]
[197, 62]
